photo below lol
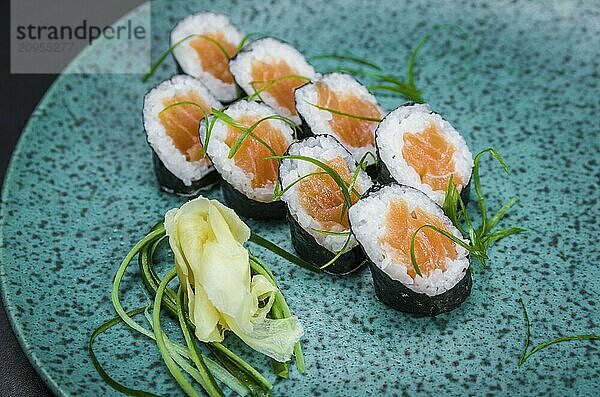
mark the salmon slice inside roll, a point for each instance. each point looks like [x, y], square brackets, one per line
[252, 153]
[203, 45]
[432, 249]
[279, 79]
[215, 51]
[270, 70]
[337, 104]
[181, 123]
[322, 198]
[352, 131]
[431, 155]
[419, 148]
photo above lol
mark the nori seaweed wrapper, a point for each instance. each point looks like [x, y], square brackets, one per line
[179, 69]
[304, 130]
[170, 183]
[249, 208]
[311, 251]
[398, 296]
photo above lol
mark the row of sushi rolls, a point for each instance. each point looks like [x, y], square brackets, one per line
[286, 125]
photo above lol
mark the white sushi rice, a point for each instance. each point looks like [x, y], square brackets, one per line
[414, 119]
[269, 50]
[368, 219]
[218, 150]
[323, 148]
[187, 57]
[318, 120]
[158, 138]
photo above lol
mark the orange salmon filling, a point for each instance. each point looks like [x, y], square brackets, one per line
[430, 154]
[250, 154]
[322, 198]
[213, 58]
[181, 123]
[283, 90]
[431, 248]
[354, 132]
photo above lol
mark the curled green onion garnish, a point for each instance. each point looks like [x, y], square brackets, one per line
[172, 48]
[103, 374]
[184, 103]
[269, 83]
[248, 131]
[163, 57]
[220, 115]
[526, 353]
[204, 117]
[362, 166]
[325, 167]
[189, 359]
[481, 238]
[389, 83]
[247, 38]
[339, 112]
[278, 192]
[183, 382]
[263, 242]
[346, 57]
[346, 188]
[339, 253]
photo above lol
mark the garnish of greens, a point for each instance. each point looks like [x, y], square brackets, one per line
[530, 352]
[339, 112]
[481, 238]
[347, 188]
[223, 284]
[383, 82]
[170, 50]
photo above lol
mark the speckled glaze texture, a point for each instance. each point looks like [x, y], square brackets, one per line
[80, 191]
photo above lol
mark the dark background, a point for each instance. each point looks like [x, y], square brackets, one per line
[19, 94]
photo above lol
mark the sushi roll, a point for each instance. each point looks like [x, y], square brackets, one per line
[314, 203]
[248, 178]
[343, 93]
[207, 42]
[172, 132]
[384, 222]
[274, 69]
[418, 148]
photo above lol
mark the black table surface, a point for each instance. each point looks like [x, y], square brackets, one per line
[19, 95]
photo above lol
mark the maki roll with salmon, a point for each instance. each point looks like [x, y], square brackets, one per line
[172, 114]
[353, 113]
[203, 45]
[384, 222]
[418, 148]
[249, 178]
[271, 70]
[317, 216]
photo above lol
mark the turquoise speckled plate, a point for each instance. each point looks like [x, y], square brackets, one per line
[80, 191]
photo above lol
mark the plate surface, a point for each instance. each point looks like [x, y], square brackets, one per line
[80, 192]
